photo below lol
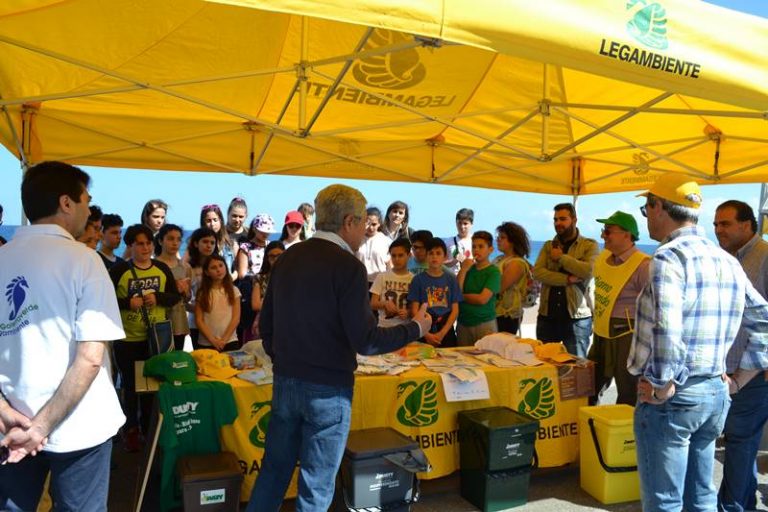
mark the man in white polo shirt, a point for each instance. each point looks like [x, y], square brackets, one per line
[58, 409]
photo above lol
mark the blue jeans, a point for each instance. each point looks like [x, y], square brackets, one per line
[676, 446]
[309, 424]
[79, 480]
[574, 333]
[743, 431]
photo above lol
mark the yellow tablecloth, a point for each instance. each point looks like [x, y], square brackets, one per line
[414, 404]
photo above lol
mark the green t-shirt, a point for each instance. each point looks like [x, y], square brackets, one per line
[193, 414]
[474, 282]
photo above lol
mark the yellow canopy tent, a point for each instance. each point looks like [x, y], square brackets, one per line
[560, 96]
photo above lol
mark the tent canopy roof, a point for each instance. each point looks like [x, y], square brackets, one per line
[568, 97]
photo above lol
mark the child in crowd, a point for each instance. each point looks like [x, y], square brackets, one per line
[389, 292]
[292, 232]
[211, 217]
[167, 243]
[307, 211]
[237, 212]
[92, 233]
[145, 290]
[152, 216]
[374, 251]
[395, 223]
[201, 244]
[251, 253]
[461, 248]
[440, 291]
[479, 281]
[260, 281]
[217, 307]
[112, 231]
[419, 240]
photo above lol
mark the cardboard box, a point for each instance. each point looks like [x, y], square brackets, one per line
[576, 379]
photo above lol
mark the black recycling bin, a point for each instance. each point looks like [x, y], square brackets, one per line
[497, 447]
[378, 471]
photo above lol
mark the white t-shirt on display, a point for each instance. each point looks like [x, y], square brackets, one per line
[59, 294]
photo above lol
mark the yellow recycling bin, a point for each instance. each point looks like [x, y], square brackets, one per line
[608, 465]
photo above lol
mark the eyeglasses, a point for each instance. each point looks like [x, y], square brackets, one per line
[293, 225]
[607, 231]
[644, 211]
[210, 207]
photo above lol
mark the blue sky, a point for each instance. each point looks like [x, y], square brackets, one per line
[125, 191]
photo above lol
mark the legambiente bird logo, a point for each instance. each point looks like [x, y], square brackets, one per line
[539, 399]
[16, 294]
[262, 412]
[648, 23]
[419, 407]
[395, 70]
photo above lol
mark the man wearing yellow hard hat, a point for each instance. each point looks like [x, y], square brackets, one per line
[687, 319]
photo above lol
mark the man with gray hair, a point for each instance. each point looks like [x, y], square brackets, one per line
[315, 319]
[687, 319]
[736, 231]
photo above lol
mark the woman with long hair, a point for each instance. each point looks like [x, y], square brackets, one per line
[395, 223]
[292, 229]
[512, 240]
[153, 216]
[201, 245]
[260, 282]
[212, 218]
[308, 212]
[237, 212]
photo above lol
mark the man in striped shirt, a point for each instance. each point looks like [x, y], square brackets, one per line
[687, 319]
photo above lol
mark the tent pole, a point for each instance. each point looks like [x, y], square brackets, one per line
[632, 143]
[544, 111]
[488, 145]
[256, 163]
[332, 89]
[763, 210]
[302, 74]
[613, 123]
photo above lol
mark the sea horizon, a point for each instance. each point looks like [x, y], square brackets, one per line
[7, 231]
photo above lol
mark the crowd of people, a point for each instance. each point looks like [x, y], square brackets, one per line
[683, 332]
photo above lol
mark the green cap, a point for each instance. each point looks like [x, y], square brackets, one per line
[176, 367]
[625, 221]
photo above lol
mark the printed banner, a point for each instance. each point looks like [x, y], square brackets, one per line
[414, 404]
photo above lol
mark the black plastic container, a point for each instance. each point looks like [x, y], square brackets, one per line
[496, 438]
[368, 479]
[497, 447]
